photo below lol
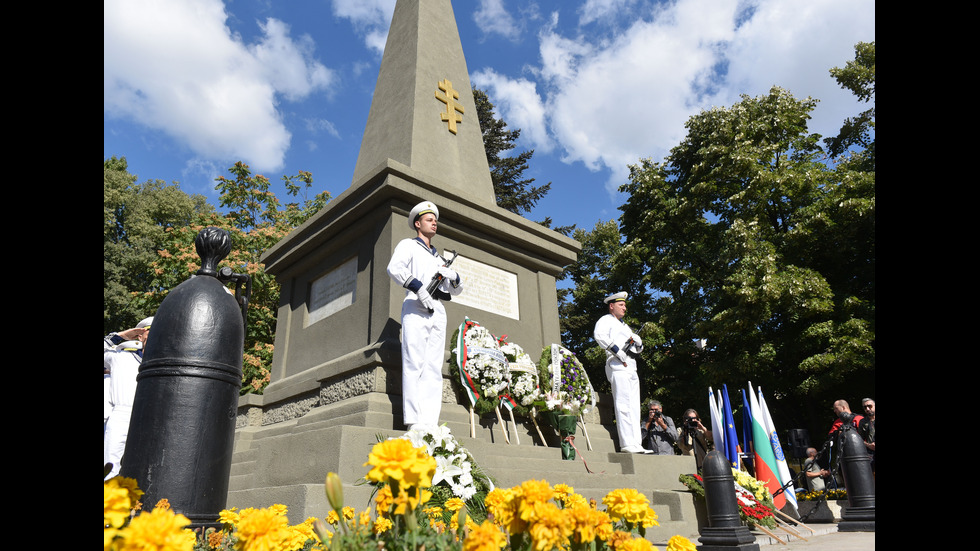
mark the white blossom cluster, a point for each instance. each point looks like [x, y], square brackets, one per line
[523, 374]
[484, 362]
[453, 464]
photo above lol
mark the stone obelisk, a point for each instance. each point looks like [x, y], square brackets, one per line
[336, 369]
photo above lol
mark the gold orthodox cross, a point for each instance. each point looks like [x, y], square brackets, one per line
[449, 98]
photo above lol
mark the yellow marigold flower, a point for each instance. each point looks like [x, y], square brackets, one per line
[279, 509]
[531, 493]
[383, 500]
[229, 516]
[163, 504]
[617, 539]
[348, 512]
[263, 530]
[629, 505]
[131, 486]
[680, 543]
[454, 504]
[365, 518]
[332, 518]
[116, 504]
[637, 544]
[397, 460]
[550, 529]
[502, 506]
[157, 530]
[588, 523]
[562, 491]
[382, 524]
[485, 537]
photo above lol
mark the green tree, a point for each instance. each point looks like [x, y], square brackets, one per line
[758, 246]
[857, 132]
[256, 221]
[135, 221]
[513, 192]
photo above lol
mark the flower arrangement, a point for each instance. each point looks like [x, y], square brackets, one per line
[479, 365]
[829, 495]
[457, 473]
[751, 509]
[523, 381]
[567, 389]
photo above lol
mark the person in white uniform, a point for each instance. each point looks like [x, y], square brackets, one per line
[122, 361]
[413, 265]
[616, 338]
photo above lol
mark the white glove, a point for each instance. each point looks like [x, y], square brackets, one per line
[621, 354]
[426, 299]
[637, 343]
[449, 274]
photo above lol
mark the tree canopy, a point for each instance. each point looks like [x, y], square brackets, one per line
[135, 221]
[748, 238]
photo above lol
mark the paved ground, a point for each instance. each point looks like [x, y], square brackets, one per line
[827, 538]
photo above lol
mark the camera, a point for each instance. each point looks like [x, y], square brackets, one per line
[691, 423]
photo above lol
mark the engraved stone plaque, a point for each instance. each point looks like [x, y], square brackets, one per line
[332, 292]
[488, 288]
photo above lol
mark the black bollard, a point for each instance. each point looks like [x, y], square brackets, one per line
[182, 430]
[859, 515]
[725, 529]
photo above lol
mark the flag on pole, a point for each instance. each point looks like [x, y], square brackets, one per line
[747, 431]
[717, 427]
[731, 439]
[782, 470]
[765, 458]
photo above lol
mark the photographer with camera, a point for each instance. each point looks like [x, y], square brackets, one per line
[693, 438]
[658, 431]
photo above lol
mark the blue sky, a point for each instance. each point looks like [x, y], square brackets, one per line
[192, 86]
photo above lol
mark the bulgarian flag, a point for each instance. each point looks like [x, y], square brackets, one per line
[781, 468]
[765, 459]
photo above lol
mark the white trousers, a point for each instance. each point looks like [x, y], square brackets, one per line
[626, 398]
[423, 353]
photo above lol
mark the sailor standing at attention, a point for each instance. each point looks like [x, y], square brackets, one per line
[413, 265]
[616, 338]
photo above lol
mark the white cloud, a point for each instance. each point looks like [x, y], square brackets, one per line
[594, 10]
[176, 67]
[493, 18]
[518, 103]
[610, 101]
[371, 19]
[317, 125]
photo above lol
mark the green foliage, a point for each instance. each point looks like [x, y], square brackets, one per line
[857, 132]
[513, 192]
[135, 220]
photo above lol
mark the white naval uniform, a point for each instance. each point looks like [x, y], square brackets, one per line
[124, 365]
[611, 334]
[412, 266]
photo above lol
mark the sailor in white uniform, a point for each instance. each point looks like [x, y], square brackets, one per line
[413, 265]
[616, 338]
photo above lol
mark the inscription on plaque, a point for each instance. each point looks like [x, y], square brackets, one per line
[332, 292]
[486, 287]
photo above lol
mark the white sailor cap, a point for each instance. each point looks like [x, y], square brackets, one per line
[616, 297]
[145, 323]
[420, 209]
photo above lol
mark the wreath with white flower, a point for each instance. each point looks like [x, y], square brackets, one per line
[479, 366]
